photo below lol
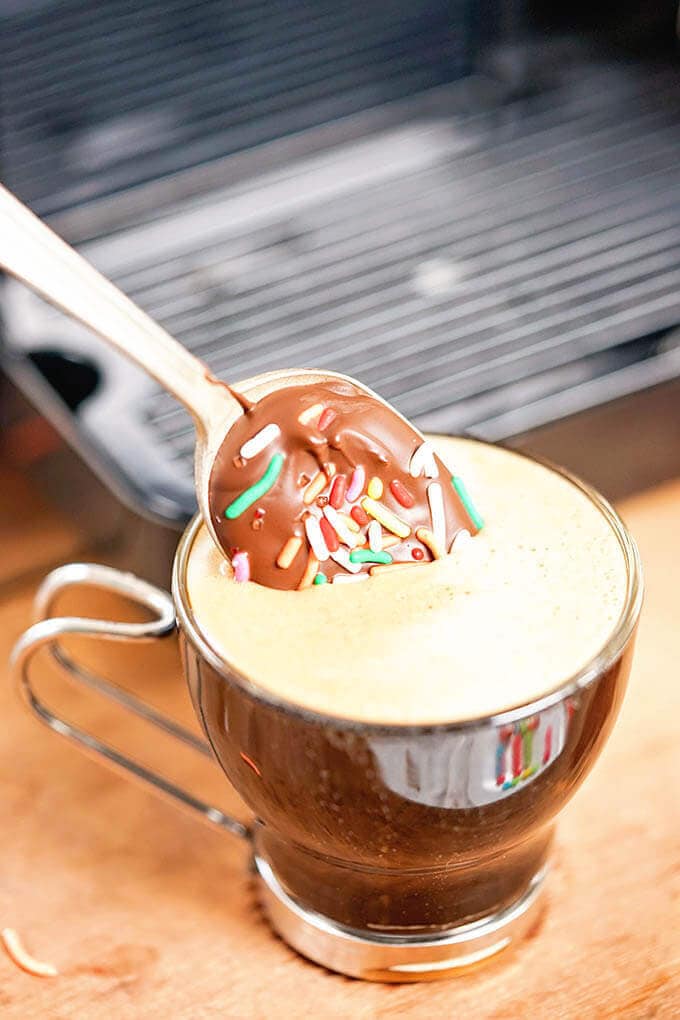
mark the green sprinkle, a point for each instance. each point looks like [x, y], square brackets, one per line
[320, 579]
[459, 486]
[368, 556]
[256, 491]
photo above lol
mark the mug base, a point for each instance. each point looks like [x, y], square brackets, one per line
[404, 958]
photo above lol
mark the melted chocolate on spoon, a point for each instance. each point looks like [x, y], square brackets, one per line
[280, 481]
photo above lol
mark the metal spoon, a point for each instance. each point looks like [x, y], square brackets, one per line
[32, 253]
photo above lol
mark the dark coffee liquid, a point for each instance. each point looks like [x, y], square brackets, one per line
[355, 823]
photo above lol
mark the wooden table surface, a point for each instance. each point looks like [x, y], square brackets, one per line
[149, 914]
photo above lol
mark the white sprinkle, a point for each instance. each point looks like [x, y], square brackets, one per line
[260, 441]
[347, 578]
[349, 538]
[341, 557]
[423, 460]
[374, 537]
[461, 539]
[436, 500]
[316, 539]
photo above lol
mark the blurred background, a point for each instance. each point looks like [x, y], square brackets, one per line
[473, 206]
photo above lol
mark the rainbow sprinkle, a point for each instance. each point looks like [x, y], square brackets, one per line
[385, 517]
[316, 539]
[288, 552]
[435, 499]
[423, 460]
[241, 565]
[375, 488]
[348, 578]
[369, 556]
[311, 570]
[260, 441]
[341, 557]
[349, 537]
[425, 536]
[356, 484]
[256, 491]
[462, 538]
[374, 536]
[315, 488]
[475, 517]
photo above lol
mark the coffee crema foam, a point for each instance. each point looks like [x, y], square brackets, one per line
[507, 618]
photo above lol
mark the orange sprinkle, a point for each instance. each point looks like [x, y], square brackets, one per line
[315, 488]
[425, 536]
[379, 568]
[289, 552]
[311, 570]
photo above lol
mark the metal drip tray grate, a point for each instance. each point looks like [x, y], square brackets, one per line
[483, 271]
[95, 101]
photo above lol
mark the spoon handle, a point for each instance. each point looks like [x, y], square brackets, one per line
[32, 253]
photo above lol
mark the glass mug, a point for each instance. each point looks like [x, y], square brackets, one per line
[386, 852]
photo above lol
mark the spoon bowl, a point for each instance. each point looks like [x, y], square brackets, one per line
[375, 437]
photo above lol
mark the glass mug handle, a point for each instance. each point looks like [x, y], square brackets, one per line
[47, 632]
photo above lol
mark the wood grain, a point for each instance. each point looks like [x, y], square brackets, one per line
[147, 913]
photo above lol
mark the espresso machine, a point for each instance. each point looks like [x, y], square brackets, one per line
[471, 206]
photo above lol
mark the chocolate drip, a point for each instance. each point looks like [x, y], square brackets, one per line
[349, 429]
[245, 403]
[240, 398]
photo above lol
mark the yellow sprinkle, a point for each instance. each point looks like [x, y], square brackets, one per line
[375, 488]
[310, 413]
[350, 522]
[379, 568]
[390, 540]
[289, 552]
[311, 570]
[425, 536]
[386, 517]
[315, 488]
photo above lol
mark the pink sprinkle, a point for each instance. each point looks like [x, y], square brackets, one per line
[328, 416]
[241, 566]
[356, 484]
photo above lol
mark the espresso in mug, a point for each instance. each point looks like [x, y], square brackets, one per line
[508, 616]
[405, 741]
